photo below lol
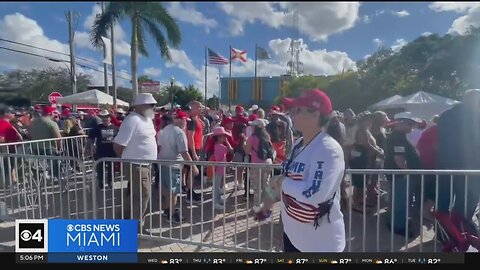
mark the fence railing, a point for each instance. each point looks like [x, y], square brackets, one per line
[34, 187]
[378, 214]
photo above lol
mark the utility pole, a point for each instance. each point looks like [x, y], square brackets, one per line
[114, 85]
[71, 39]
[105, 66]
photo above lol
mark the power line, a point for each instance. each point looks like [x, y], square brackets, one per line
[57, 60]
[48, 50]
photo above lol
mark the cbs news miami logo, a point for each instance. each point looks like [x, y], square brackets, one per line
[64, 236]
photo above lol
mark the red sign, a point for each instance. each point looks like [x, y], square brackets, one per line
[53, 97]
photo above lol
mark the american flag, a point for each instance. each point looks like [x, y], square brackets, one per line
[216, 59]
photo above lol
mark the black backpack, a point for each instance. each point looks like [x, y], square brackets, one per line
[265, 150]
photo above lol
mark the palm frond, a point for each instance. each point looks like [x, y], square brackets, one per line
[158, 36]
[141, 39]
[102, 24]
[157, 14]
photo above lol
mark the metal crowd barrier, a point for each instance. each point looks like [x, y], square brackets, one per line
[35, 187]
[370, 229]
[230, 226]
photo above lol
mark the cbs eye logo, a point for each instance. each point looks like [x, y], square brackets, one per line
[31, 235]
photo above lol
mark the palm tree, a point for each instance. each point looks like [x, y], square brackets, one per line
[144, 16]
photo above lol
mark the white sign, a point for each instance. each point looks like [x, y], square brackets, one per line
[149, 87]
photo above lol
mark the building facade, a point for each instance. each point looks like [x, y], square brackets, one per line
[242, 90]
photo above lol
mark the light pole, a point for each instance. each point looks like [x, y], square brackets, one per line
[172, 81]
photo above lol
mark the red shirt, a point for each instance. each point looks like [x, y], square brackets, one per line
[196, 125]
[427, 147]
[115, 121]
[8, 132]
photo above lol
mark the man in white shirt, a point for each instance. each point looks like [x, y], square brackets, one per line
[172, 145]
[136, 141]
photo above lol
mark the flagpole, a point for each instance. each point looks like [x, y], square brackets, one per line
[206, 61]
[230, 80]
[220, 90]
[255, 82]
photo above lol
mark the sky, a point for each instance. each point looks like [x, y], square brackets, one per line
[333, 36]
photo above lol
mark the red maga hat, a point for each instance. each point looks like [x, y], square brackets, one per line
[48, 110]
[179, 114]
[313, 99]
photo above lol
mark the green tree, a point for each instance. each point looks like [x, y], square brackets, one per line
[37, 84]
[187, 94]
[143, 16]
[213, 102]
[144, 78]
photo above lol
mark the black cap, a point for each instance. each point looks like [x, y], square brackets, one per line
[4, 110]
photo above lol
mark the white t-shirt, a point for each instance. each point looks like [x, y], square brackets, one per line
[137, 134]
[350, 131]
[314, 176]
[172, 141]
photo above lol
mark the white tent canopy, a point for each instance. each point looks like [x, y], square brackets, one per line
[422, 104]
[381, 104]
[91, 97]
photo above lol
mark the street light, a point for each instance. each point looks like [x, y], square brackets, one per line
[172, 81]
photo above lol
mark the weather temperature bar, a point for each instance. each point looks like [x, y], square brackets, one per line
[301, 258]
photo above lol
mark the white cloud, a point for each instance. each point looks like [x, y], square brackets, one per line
[367, 56]
[459, 7]
[378, 42]
[379, 12]
[152, 72]
[187, 13]
[398, 44]
[122, 47]
[401, 13]
[82, 40]
[316, 20]
[366, 19]
[123, 62]
[19, 28]
[461, 24]
[426, 34]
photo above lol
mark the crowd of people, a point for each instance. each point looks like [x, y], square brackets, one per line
[313, 143]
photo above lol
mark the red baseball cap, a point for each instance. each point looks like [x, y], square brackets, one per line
[37, 108]
[179, 114]
[48, 110]
[66, 113]
[275, 108]
[313, 99]
[239, 109]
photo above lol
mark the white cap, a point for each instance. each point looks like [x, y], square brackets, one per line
[261, 123]
[120, 110]
[144, 99]
[408, 116]
[254, 107]
[103, 113]
[81, 113]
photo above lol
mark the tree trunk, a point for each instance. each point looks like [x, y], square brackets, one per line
[134, 52]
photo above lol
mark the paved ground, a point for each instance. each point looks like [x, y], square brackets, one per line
[232, 230]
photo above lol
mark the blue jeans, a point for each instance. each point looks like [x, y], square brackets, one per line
[217, 193]
[399, 198]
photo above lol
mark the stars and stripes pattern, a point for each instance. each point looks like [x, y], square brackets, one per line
[301, 212]
[216, 59]
[238, 54]
[295, 176]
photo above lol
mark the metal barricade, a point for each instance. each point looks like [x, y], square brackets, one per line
[399, 217]
[195, 220]
[34, 187]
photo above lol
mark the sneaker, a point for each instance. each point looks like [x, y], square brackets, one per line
[177, 218]
[194, 197]
[264, 216]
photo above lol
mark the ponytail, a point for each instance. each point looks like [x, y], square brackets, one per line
[332, 128]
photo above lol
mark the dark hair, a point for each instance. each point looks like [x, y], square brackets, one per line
[261, 134]
[332, 128]
[166, 120]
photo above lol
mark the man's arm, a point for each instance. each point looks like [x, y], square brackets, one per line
[190, 138]
[124, 136]
[182, 148]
